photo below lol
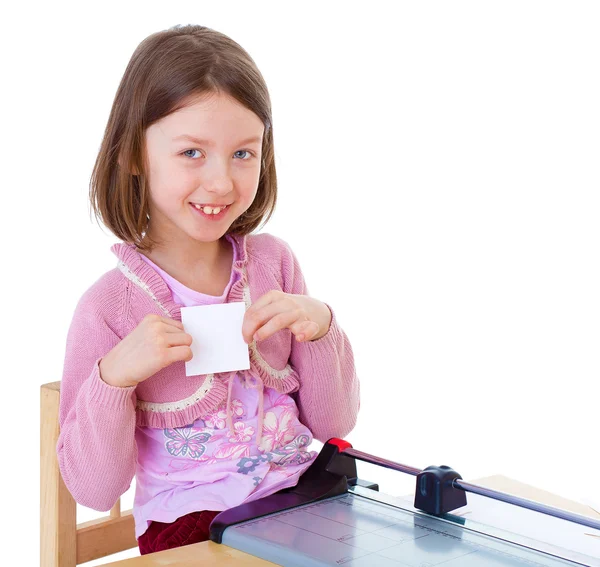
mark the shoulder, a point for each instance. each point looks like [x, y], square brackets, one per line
[103, 300]
[276, 254]
[267, 248]
[270, 249]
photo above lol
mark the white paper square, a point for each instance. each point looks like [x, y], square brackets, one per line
[217, 341]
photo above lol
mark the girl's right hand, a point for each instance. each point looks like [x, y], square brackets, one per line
[155, 343]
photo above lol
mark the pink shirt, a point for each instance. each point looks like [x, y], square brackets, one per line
[169, 416]
[207, 466]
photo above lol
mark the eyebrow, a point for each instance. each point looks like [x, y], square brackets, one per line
[254, 139]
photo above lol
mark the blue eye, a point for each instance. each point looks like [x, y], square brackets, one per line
[186, 151]
[238, 152]
[244, 152]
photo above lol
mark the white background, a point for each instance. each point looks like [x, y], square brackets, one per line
[438, 182]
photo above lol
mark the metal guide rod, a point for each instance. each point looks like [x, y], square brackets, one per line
[532, 505]
[381, 462]
[468, 487]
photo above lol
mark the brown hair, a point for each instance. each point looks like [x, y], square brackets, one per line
[169, 70]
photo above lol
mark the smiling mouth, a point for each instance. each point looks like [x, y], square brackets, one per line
[210, 209]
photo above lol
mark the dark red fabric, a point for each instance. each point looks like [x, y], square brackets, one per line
[191, 528]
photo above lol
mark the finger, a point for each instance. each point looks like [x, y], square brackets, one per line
[256, 318]
[305, 330]
[270, 297]
[178, 339]
[173, 328]
[174, 323]
[179, 353]
[278, 322]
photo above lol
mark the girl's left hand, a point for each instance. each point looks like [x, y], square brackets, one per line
[306, 317]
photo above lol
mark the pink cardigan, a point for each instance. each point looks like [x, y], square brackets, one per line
[96, 449]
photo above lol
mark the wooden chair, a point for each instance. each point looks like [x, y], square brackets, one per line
[63, 542]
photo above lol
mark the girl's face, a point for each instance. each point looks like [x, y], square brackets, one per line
[209, 154]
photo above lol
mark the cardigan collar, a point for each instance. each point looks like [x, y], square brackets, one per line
[152, 282]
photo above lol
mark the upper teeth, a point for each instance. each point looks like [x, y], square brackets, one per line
[210, 210]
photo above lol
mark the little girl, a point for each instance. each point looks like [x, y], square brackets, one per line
[185, 173]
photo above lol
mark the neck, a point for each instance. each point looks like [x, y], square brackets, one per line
[190, 257]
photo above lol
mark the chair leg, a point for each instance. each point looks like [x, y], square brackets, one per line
[58, 523]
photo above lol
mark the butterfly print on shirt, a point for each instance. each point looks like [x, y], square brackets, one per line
[186, 441]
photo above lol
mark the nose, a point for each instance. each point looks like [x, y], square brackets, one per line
[216, 176]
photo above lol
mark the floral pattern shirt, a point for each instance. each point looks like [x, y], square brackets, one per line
[207, 466]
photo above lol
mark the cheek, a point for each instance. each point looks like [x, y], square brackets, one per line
[247, 184]
[176, 184]
[171, 193]
[247, 195]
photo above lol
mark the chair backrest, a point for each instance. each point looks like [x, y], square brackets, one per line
[63, 542]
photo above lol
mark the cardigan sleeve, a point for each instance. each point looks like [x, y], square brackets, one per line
[329, 395]
[96, 447]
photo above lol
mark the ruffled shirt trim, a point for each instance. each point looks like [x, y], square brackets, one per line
[212, 388]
